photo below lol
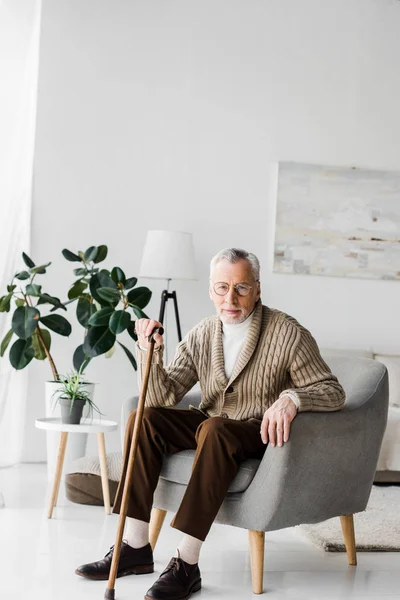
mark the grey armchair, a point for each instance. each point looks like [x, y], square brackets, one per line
[326, 469]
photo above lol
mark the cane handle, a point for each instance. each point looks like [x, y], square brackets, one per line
[159, 330]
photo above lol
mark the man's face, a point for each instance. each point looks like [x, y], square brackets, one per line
[233, 308]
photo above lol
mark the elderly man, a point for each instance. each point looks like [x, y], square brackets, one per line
[257, 367]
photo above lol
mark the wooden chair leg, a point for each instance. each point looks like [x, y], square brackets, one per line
[256, 542]
[156, 522]
[347, 523]
[104, 472]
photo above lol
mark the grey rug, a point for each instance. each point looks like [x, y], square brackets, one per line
[377, 529]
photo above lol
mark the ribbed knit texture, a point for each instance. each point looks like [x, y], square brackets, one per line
[279, 354]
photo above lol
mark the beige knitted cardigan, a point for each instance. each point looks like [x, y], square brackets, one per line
[278, 355]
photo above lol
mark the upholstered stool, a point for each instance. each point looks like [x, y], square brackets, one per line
[83, 479]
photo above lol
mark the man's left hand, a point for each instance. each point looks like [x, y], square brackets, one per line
[275, 426]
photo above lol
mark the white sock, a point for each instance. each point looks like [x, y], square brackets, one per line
[189, 549]
[136, 532]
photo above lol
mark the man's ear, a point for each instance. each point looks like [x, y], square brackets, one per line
[209, 292]
[258, 290]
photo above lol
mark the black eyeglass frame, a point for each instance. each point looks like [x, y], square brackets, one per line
[250, 287]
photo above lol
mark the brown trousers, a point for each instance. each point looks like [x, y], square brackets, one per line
[220, 445]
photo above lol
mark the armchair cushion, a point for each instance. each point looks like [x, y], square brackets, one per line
[178, 468]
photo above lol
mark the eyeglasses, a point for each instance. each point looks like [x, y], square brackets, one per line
[221, 288]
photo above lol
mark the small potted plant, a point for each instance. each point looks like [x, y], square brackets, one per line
[72, 397]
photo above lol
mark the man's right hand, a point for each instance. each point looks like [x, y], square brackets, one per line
[144, 328]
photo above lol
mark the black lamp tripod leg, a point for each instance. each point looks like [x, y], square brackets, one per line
[164, 298]
[165, 295]
[178, 324]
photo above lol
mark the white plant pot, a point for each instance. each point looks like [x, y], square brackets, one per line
[76, 444]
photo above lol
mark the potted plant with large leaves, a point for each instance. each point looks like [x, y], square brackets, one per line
[26, 298]
[28, 323]
[107, 304]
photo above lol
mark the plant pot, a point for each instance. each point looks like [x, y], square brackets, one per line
[71, 413]
[77, 442]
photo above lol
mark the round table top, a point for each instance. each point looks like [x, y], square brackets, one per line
[85, 426]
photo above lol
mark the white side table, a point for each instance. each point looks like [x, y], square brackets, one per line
[98, 426]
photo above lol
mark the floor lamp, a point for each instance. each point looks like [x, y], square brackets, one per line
[168, 255]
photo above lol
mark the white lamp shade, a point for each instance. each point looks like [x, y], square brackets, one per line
[168, 255]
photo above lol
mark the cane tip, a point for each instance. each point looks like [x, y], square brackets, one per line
[109, 594]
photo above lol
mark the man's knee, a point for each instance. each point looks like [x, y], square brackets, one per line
[149, 415]
[214, 427]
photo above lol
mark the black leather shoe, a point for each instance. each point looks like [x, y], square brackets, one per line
[132, 561]
[177, 582]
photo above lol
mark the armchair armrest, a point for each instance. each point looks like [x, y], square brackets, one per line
[326, 468]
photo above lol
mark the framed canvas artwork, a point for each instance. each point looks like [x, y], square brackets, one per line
[339, 222]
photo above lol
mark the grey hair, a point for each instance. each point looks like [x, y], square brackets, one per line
[233, 255]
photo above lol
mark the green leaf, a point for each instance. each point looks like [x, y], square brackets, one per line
[84, 310]
[22, 275]
[131, 330]
[21, 354]
[40, 270]
[98, 341]
[57, 323]
[25, 320]
[40, 353]
[33, 290]
[5, 342]
[109, 295]
[119, 321]
[101, 254]
[20, 302]
[101, 317]
[5, 303]
[11, 288]
[139, 313]
[117, 275]
[70, 255]
[47, 299]
[81, 272]
[110, 352]
[28, 261]
[140, 297]
[76, 290]
[129, 355]
[80, 357]
[90, 253]
[130, 283]
[101, 279]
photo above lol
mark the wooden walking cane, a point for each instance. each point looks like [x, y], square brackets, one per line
[110, 591]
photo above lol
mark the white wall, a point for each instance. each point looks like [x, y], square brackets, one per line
[156, 114]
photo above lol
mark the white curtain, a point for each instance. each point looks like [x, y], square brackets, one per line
[19, 57]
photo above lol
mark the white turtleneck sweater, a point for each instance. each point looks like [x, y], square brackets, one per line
[233, 338]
